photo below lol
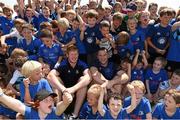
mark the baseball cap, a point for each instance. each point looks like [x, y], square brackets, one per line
[42, 94]
[131, 6]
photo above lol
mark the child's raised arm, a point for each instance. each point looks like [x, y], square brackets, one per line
[144, 59]
[133, 99]
[135, 59]
[101, 97]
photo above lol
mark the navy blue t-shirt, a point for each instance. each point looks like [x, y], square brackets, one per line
[137, 74]
[6, 25]
[68, 36]
[141, 109]
[70, 75]
[160, 113]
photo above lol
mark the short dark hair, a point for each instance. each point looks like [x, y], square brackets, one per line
[71, 48]
[45, 33]
[177, 72]
[104, 23]
[92, 14]
[116, 96]
[165, 11]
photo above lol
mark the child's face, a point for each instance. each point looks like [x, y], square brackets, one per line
[139, 65]
[18, 27]
[108, 12]
[29, 13]
[132, 24]
[75, 24]
[92, 99]
[124, 66]
[46, 105]
[103, 57]
[144, 19]
[157, 65]
[169, 101]
[153, 10]
[139, 94]
[27, 33]
[104, 31]
[117, 8]
[115, 106]
[47, 41]
[140, 6]
[7, 13]
[46, 13]
[36, 74]
[92, 21]
[70, 17]
[165, 19]
[117, 22]
[175, 79]
[131, 13]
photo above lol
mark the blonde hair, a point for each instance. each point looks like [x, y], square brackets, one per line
[95, 90]
[63, 22]
[29, 66]
[139, 84]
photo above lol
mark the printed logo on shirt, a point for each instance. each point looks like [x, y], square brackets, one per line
[77, 72]
[45, 51]
[137, 39]
[93, 34]
[162, 40]
[141, 113]
[69, 71]
[90, 40]
[158, 33]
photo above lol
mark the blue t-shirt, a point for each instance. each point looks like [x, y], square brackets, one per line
[141, 109]
[33, 89]
[31, 113]
[90, 36]
[50, 55]
[87, 113]
[109, 71]
[70, 75]
[174, 48]
[31, 48]
[79, 43]
[68, 36]
[155, 79]
[137, 74]
[137, 40]
[159, 36]
[6, 25]
[124, 50]
[41, 19]
[7, 112]
[160, 113]
[121, 114]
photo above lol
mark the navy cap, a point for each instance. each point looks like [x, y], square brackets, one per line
[131, 6]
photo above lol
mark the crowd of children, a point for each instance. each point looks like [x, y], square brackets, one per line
[63, 60]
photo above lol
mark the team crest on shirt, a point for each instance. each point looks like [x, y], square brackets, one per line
[141, 113]
[93, 34]
[45, 51]
[158, 33]
[85, 33]
[161, 40]
[90, 40]
[137, 39]
[135, 72]
[77, 71]
[122, 50]
[69, 71]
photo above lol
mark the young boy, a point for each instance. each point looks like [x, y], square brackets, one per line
[49, 52]
[105, 39]
[90, 109]
[30, 43]
[159, 35]
[115, 110]
[143, 108]
[153, 77]
[43, 107]
[89, 35]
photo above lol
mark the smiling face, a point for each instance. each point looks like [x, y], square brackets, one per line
[102, 57]
[46, 105]
[175, 79]
[115, 106]
[36, 74]
[144, 18]
[131, 24]
[157, 65]
[73, 56]
[92, 99]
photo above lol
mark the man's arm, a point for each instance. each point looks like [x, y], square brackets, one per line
[54, 81]
[83, 81]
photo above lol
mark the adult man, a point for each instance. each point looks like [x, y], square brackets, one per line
[104, 71]
[74, 76]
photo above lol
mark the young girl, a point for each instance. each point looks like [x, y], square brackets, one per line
[43, 107]
[153, 7]
[170, 108]
[139, 64]
[115, 110]
[154, 76]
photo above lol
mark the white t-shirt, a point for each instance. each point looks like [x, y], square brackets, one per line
[15, 76]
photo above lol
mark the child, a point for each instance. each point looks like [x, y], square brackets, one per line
[143, 108]
[159, 35]
[117, 7]
[49, 52]
[89, 35]
[172, 83]
[105, 39]
[43, 107]
[29, 43]
[124, 47]
[64, 36]
[139, 65]
[153, 77]
[33, 82]
[17, 76]
[170, 108]
[137, 37]
[152, 8]
[115, 110]
[90, 108]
